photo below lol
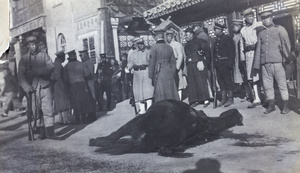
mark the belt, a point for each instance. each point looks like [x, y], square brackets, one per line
[140, 67]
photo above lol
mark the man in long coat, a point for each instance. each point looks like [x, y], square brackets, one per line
[62, 103]
[80, 100]
[196, 51]
[88, 71]
[179, 56]
[35, 70]
[238, 45]
[142, 87]
[162, 69]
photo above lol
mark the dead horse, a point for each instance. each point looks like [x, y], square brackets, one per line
[167, 124]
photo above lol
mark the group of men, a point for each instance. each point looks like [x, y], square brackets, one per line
[251, 59]
[62, 91]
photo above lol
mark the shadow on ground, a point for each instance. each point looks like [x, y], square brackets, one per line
[206, 165]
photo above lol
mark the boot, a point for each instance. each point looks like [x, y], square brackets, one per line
[42, 134]
[230, 99]
[50, 133]
[286, 108]
[223, 101]
[271, 107]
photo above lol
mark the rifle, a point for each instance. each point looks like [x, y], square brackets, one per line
[213, 72]
[29, 117]
[133, 99]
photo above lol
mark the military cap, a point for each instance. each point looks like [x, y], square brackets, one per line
[219, 26]
[60, 54]
[72, 54]
[83, 51]
[198, 23]
[170, 32]
[247, 12]
[135, 39]
[265, 14]
[103, 55]
[31, 39]
[139, 41]
[237, 22]
[159, 35]
[190, 30]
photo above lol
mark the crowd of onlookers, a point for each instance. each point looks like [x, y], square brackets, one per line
[245, 63]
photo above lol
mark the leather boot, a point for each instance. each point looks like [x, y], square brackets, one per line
[50, 133]
[223, 101]
[271, 107]
[230, 99]
[42, 134]
[286, 108]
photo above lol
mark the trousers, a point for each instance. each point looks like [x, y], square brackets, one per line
[275, 71]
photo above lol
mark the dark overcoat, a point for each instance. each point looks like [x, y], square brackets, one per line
[162, 69]
[197, 50]
[61, 99]
[80, 99]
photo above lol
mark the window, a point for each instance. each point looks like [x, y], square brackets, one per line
[61, 42]
[89, 44]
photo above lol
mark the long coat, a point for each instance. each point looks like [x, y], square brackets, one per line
[238, 45]
[89, 76]
[197, 50]
[142, 87]
[61, 99]
[162, 69]
[74, 76]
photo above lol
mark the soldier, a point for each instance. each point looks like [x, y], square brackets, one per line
[104, 77]
[34, 75]
[224, 60]
[272, 46]
[162, 69]
[142, 87]
[249, 34]
[81, 101]
[197, 50]
[179, 56]
[89, 79]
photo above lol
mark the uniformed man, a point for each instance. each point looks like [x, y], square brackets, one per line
[104, 77]
[142, 87]
[35, 70]
[224, 60]
[272, 46]
[178, 50]
[88, 72]
[249, 33]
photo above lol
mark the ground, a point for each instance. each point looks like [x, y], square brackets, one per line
[265, 144]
